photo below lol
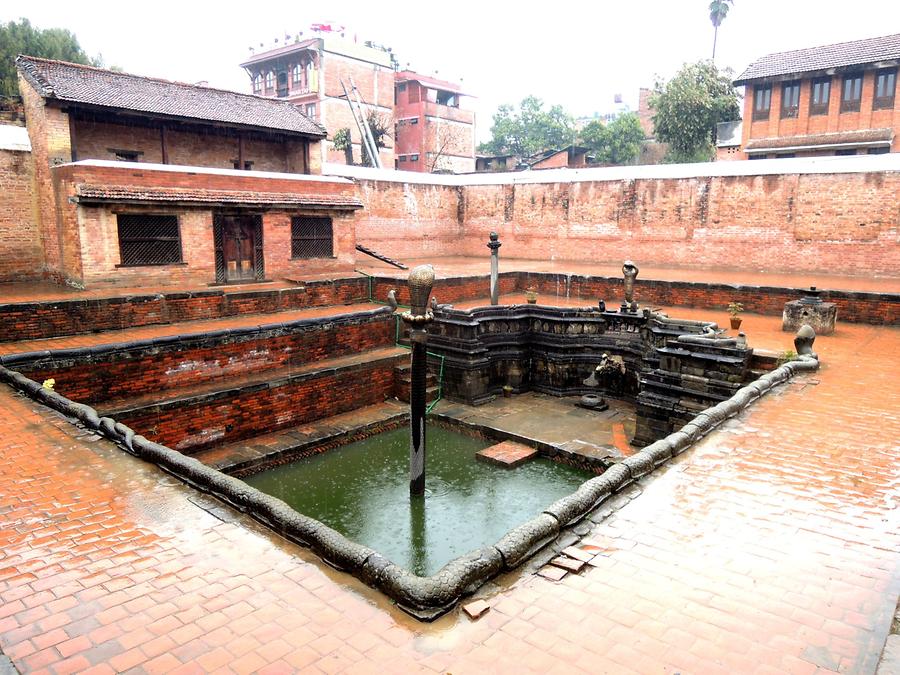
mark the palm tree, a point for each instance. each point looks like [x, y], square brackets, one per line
[718, 10]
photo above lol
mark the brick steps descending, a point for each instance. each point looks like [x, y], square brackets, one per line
[231, 408]
[279, 447]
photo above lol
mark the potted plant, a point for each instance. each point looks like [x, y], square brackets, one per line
[531, 295]
[734, 310]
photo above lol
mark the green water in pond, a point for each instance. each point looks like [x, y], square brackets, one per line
[362, 491]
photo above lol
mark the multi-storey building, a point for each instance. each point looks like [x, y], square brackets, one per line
[143, 181]
[433, 134]
[312, 73]
[426, 128]
[838, 99]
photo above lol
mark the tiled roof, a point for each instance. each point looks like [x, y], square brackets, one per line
[858, 137]
[841, 55]
[134, 193]
[72, 82]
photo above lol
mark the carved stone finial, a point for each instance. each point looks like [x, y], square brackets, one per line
[803, 341]
[421, 281]
[392, 299]
[494, 242]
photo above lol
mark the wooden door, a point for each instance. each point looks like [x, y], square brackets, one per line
[239, 245]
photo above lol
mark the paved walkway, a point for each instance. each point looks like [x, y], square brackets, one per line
[772, 547]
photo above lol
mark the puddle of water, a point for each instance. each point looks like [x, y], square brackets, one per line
[362, 491]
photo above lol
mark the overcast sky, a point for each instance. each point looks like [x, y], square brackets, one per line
[578, 54]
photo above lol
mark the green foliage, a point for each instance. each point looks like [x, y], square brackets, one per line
[381, 126]
[529, 130]
[341, 138]
[735, 308]
[786, 356]
[688, 107]
[618, 142]
[23, 38]
[718, 10]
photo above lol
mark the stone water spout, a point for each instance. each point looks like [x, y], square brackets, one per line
[421, 281]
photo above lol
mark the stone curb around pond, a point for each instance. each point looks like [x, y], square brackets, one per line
[425, 598]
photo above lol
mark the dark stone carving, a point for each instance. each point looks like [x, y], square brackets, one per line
[803, 341]
[494, 244]
[630, 272]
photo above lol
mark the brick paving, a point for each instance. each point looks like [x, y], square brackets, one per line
[771, 547]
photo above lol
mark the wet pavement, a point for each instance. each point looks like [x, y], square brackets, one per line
[773, 546]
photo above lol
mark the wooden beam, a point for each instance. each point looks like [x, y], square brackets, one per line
[73, 143]
[240, 151]
[163, 144]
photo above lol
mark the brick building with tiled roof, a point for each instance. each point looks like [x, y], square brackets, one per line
[836, 99]
[142, 179]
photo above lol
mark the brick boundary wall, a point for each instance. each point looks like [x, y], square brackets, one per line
[21, 256]
[778, 215]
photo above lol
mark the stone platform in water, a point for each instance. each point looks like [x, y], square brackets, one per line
[508, 454]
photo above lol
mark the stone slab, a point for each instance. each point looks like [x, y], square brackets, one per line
[552, 572]
[566, 563]
[477, 609]
[507, 454]
[578, 553]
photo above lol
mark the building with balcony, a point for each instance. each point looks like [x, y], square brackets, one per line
[312, 73]
[144, 181]
[433, 133]
[838, 99]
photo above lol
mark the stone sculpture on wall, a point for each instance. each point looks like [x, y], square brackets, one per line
[630, 271]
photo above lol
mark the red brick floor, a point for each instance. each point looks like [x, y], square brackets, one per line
[771, 547]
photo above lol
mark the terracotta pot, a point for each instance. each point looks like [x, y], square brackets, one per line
[736, 322]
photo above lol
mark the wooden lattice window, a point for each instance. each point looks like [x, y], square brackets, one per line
[149, 239]
[311, 237]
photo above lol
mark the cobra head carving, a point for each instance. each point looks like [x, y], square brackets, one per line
[421, 281]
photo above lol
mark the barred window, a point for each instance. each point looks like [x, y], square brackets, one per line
[149, 239]
[311, 237]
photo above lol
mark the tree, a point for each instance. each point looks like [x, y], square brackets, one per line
[381, 126]
[23, 38]
[618, 142]
[342, 141]
[529, 130]
[718, 10]
[688, 107]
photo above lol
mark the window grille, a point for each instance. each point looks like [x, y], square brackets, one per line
[311, 237]
[146, 239]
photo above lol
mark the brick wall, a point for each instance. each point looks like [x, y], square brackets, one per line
[26, 321]
[21, 255]
[122, 373]
[243, 413]
[846, 223]
[48, 130]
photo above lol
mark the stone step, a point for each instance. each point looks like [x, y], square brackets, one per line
[508, 454]
[278, 447]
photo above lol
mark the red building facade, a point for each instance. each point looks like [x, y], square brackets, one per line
[838, 99]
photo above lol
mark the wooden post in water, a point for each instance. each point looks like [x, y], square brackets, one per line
[421, 280]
